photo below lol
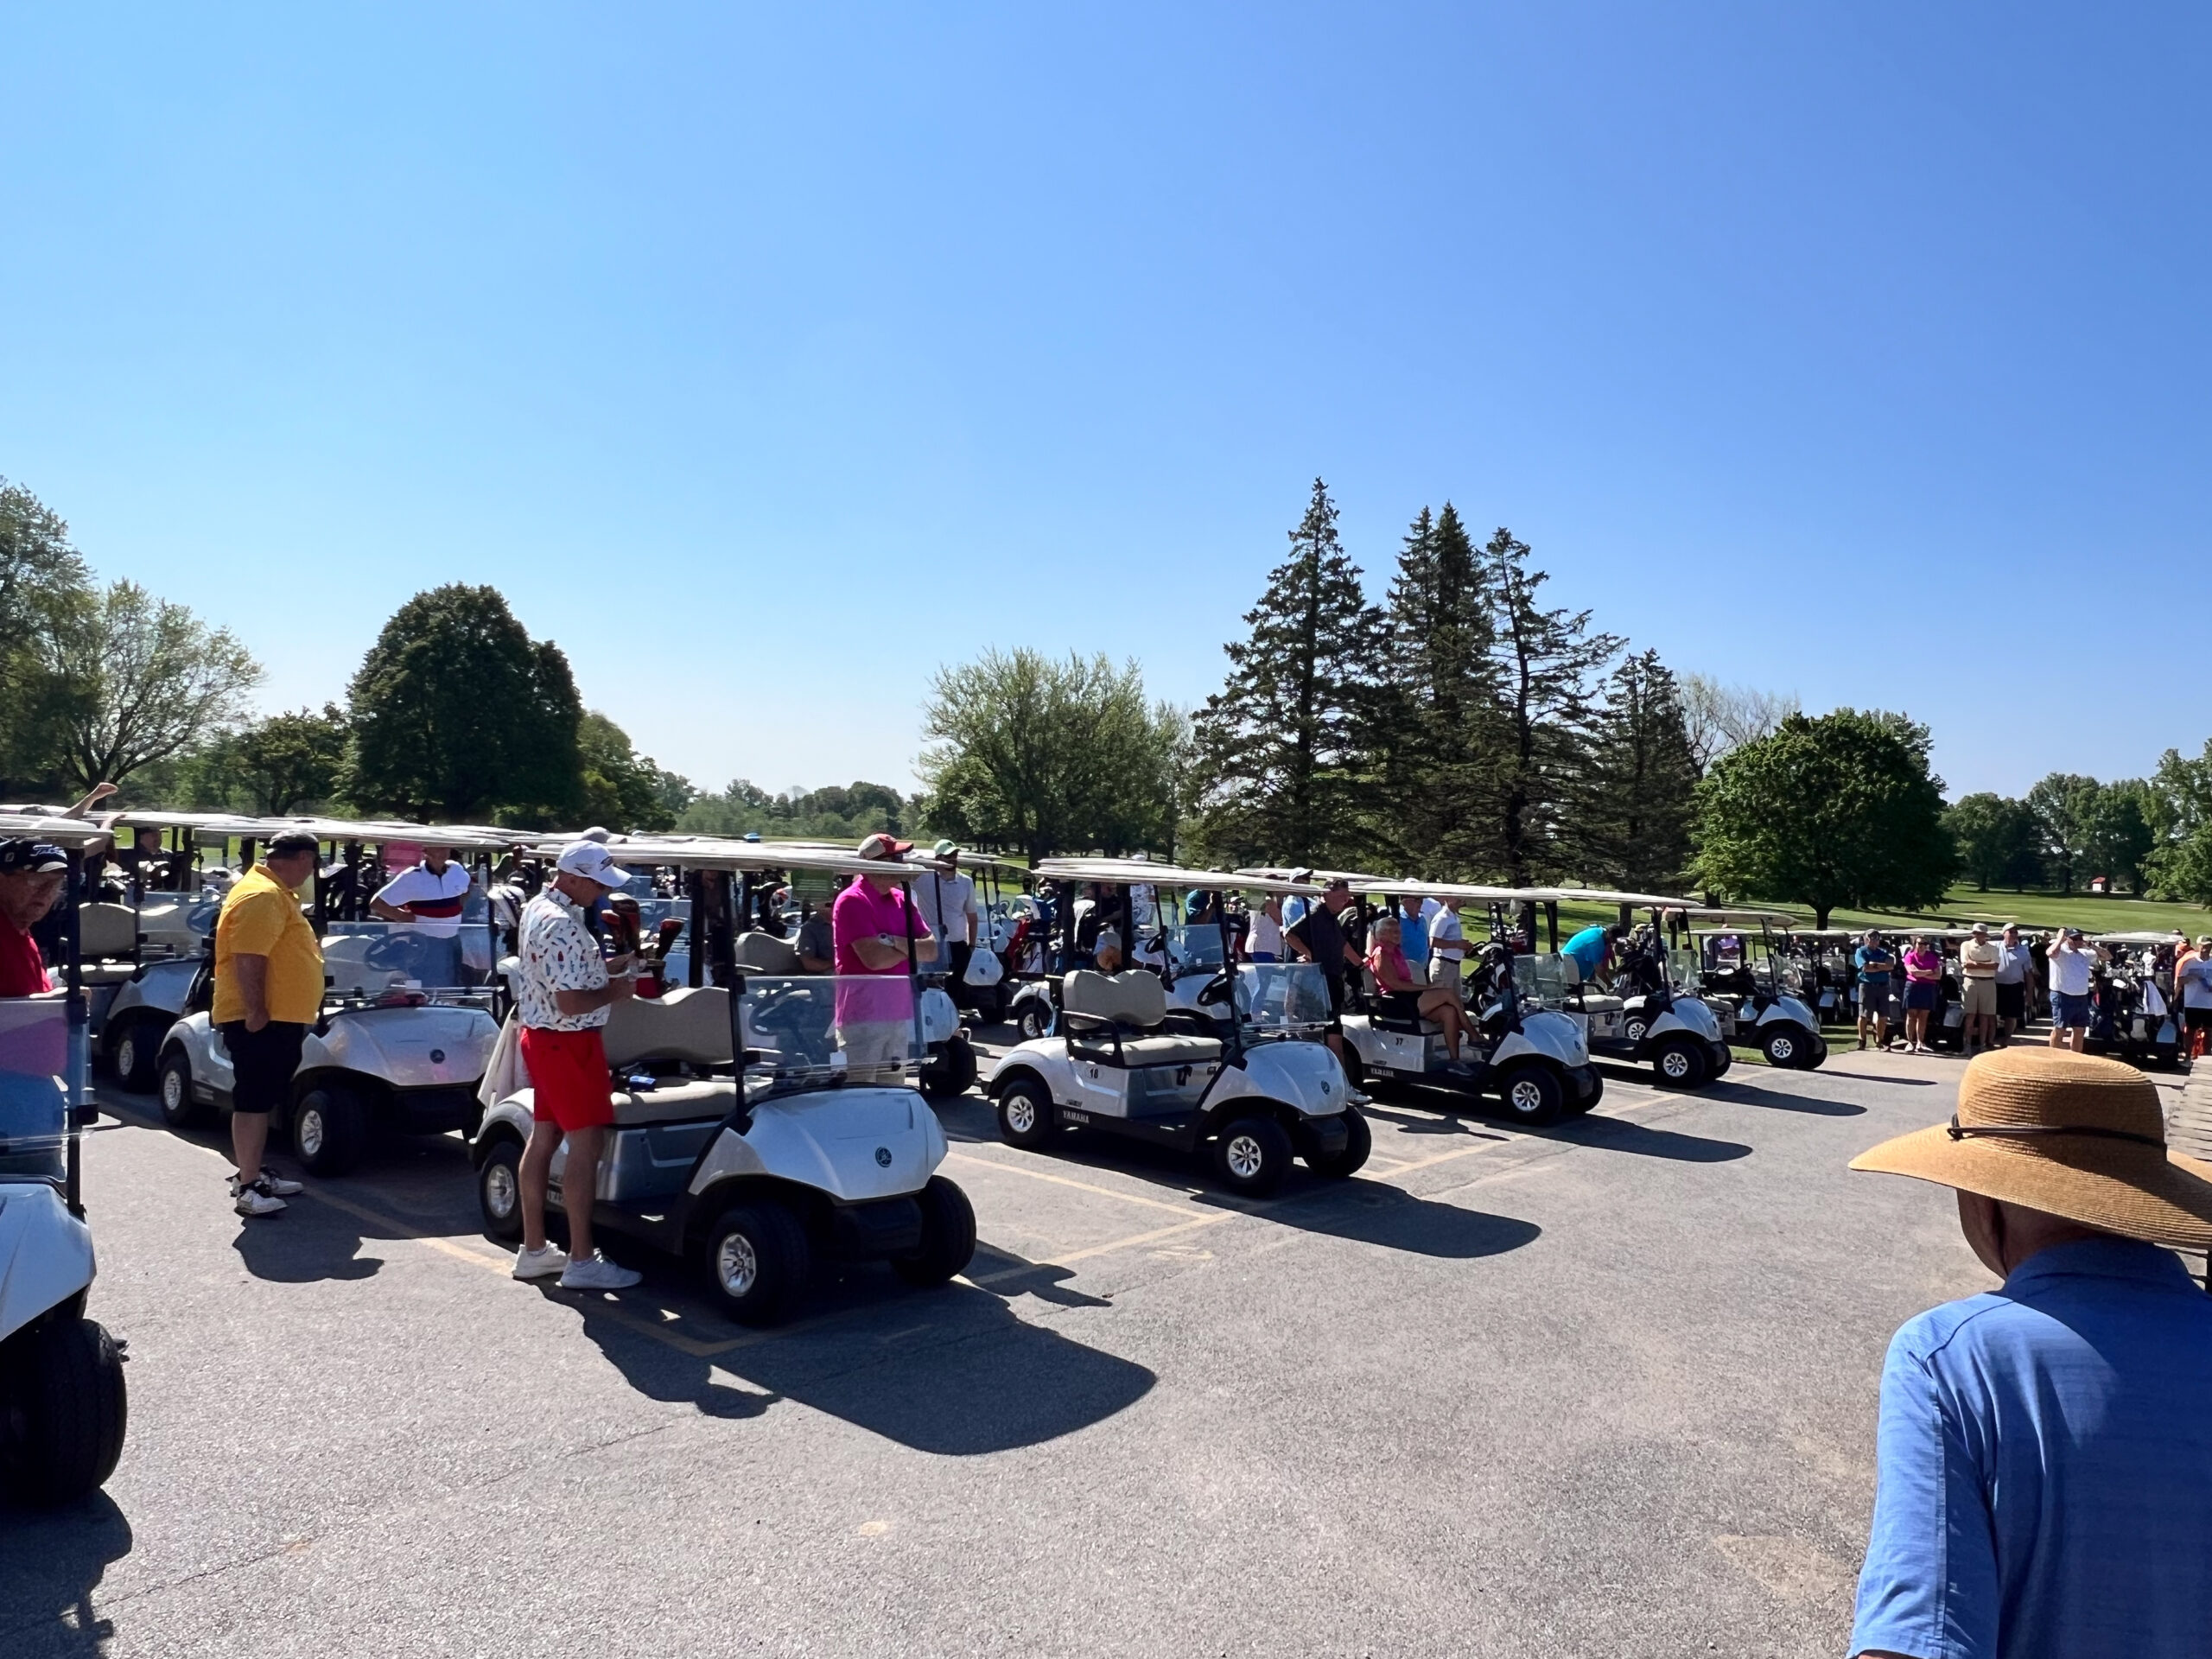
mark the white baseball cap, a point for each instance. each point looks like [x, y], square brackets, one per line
[593, 862]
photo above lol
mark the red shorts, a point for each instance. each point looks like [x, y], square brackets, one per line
[569, 1076]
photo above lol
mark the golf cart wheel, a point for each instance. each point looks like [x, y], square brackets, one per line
[1359, 1140]
[179, 1109]
[1252, 1155]
[1596, 1093]
[1026, 1116]
[1784, 1045]
[1634, 1032]
[1817, 1055]
[951, 1073]
[330, 1126]
[758, 1261]
[1722, 1058]
[135, 1054]
[1533, 1096]
[1034, 1020]
[948, 1236]
[498, 1191]
[1680, 1063]
[63, 1410]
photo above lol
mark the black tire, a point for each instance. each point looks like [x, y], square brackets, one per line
[1355, 1068]
[1359, 1140]
[952, 1072]
[1251, 1155]
[1722, 1056]
[1785, 1046]
[948, 1236]
[63, 1410]
[1680, 1061]
[173, 1089]
[758, 1261]
[134, 1054]
[330, 1129]
[1596, 1093]
[1634, 1030]
[1818, 1055]
[1026, 1116]
[499, 1190]
[1533, 1096]
[1034, 1020]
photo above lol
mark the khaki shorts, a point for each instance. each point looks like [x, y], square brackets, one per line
[876, 1050]
[1978, 996]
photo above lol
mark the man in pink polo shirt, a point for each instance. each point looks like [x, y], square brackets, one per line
[869, 926]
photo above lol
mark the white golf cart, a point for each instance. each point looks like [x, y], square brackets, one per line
[1236, 1075]
[63, 1406]
[1648, 1016]
[408, 1024]
[1534, 1060]
[815, 1146]
[2133, 1014]
[1754, 984]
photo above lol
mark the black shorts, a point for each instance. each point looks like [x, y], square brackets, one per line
[1401, 1005]
[1337, 993]
[2012, 1000]
[263, 1062]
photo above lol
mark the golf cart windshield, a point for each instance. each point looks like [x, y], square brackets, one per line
[822, 1031]
[1288, 999]
[1190, 948]
[373, 958]
[34, 1105]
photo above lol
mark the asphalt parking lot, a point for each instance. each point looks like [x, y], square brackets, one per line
[1603, 1389]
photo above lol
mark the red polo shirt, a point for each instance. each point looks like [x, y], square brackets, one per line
[22, 970]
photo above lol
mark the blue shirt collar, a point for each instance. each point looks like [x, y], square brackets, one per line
[2101, 1258]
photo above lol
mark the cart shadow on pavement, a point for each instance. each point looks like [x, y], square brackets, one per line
[1375, 1212]
[1624, 1135]
[55, 1562]
[951, 1371]
[1435, 1121]
[1751, 1094]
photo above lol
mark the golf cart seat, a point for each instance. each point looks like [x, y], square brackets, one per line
[1588, 1002]
[675, 1102]
[1117, 1020]
[1383, 1020]
[764, 953]
[691, 1024]
[107, 931]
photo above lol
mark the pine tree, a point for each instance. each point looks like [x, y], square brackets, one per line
[1545, 662]
[1438, 739]
[1283, 739]
[1642, 778]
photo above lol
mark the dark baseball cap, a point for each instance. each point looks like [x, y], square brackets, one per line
[291, 843]
[20, 857]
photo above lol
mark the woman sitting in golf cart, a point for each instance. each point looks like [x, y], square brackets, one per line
[1402, 997]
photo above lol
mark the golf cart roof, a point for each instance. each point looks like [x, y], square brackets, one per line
[456, 837]
[1143, 873]
[713, 853]
[2140, 936]
[1296, 872]
[1711, 918]
[1639, 900]
[1465, 892]
[210, 825]
[71, 835]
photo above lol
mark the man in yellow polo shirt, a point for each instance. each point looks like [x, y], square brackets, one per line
[267, 992]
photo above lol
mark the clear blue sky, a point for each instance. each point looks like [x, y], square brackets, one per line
[768, 360]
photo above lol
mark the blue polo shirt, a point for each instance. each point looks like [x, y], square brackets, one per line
[2045, 1486]
[1588, 950]
[1413, 938]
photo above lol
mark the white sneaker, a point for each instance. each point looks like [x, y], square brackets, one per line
[270, 1182]
[257, 1200]
[595, 1272]
[542, 1262]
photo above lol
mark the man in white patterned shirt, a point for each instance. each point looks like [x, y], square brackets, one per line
[564, 990]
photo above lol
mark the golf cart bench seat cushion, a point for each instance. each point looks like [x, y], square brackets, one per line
[764, 953]
[691, 1025]
[1169, 1050]
[1383, 1018]
[107, 931]
[675, 1102]
[1132, 997]
[1598, 1003]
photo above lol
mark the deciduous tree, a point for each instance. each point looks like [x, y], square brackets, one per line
[2065, 806]
[1830, 811]
[1996, 839]
[622, 788]
[288, 763]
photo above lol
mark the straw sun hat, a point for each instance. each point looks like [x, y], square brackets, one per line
[2067, 1134]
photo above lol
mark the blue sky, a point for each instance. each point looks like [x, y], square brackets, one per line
[769, 360]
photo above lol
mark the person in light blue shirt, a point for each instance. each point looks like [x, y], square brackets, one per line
[1591, 948]
[2044, 1460]
[1413, 932]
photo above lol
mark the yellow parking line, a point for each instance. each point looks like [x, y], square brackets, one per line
[1062, 1180]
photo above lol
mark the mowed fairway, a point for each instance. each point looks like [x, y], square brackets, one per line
[1608, 1388]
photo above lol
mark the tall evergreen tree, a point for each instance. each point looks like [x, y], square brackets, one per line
[1438, 739]
[1642, 780]
[1546, 660]
[1283, 739]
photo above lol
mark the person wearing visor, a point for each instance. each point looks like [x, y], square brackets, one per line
[564, 989]
[267, 992]
[32, 875]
